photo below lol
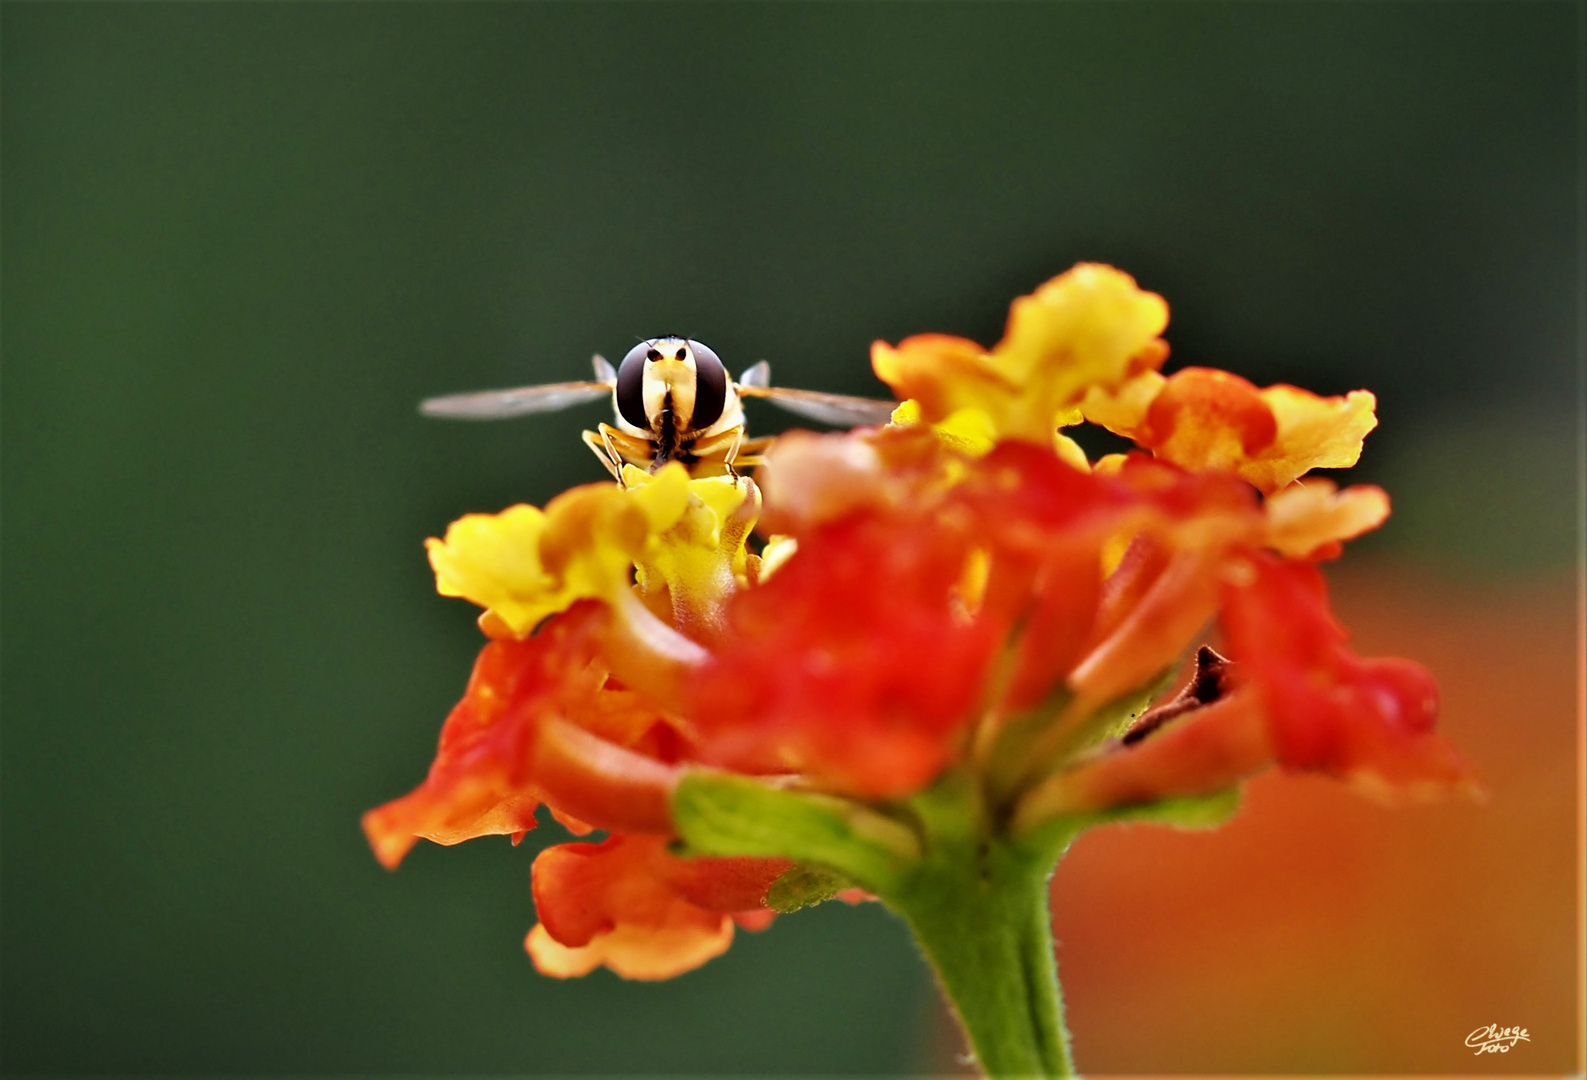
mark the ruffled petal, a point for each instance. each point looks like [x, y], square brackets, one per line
[537, 723]
[686, 536]
[479, 783]
[627, 904]
[1202, 418]
[1089, 327]
[942, 375]
[1122, 409]
[1310, 520]
[634, 952]
[494, 561]
[524, 564]
[1317, 432]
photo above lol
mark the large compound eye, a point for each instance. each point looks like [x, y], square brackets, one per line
[710, 386]
[631, 385]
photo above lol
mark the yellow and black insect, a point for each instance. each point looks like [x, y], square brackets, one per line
[673, 400]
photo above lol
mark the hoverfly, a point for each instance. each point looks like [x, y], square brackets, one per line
[673, 400]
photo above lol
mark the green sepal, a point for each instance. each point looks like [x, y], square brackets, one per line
[804, 886]
[728, 814]
[1190, 812]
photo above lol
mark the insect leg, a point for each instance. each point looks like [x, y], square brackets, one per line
[602, 449]
[622, 449]
[611, 450]
[719, 449]
[750, 453]
[732, 453]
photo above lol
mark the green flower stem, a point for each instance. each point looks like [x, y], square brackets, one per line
[978, 905]
[983, 921]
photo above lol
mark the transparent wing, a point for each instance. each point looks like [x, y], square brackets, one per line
[839, 410]
[499, 404]
[756, 377]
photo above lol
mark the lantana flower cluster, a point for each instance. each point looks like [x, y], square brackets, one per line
[755, 694]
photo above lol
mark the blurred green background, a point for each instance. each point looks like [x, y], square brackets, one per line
[241, 241]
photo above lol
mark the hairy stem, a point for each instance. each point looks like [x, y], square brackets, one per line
[979, 909]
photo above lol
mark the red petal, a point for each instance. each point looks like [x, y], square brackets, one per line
[1368, 720]
[516, 738]
[601, 783]
[630, 905]
[853, 662]
[478, 784]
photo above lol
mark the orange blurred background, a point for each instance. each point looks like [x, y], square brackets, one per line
[1320, 932]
